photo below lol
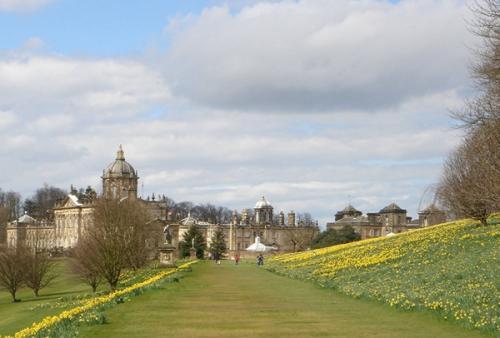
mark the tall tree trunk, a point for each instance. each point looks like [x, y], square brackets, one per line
[13, 294]
[484, 221]
[113, 284]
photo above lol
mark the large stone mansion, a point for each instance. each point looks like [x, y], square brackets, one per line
[389, 220]
[72, 216]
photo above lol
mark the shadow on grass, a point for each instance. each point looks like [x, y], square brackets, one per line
[52, 295]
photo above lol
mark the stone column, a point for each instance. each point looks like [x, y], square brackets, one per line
[291, 219]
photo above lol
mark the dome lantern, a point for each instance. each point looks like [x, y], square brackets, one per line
[119, 154]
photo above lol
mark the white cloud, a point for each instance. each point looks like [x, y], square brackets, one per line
[38, 85]
[319, 55]
[62, 118]
[52, 123]
[232, 159]
[46, 101]
[168, 177]
[22, 5]
[7, 119]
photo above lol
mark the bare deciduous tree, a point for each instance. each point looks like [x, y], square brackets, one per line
[12, 269]
[470, 184]
[44, 199]
[300, 238]
[38, 270]
[84, 264]
[11, 201]
[117, 239]
[305, 219]
[39, 266]
[4, 215]
[486, 70]
[4, 218]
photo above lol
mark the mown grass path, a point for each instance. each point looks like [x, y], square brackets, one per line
[245, 301]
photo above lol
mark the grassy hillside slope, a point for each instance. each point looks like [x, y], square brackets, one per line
[451, 269]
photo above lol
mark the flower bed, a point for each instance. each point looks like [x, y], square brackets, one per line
[65, 317]
[451, 269]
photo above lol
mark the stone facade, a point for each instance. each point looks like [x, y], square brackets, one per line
[431, 215]
[389, 220]
[243, 230]
[71, 218]
[119, 181]
[34, 234]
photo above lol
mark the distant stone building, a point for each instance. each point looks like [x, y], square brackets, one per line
[241, 232]
[389, 220]
[119, 181]
[348, 211]
[34, 234]
[73, 216]
[431, 215]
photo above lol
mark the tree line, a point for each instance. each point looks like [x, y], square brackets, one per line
[38, 205]
[470, 182]
[220, 214]
[22, 266]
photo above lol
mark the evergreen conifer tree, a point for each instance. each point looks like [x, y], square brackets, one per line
[218, 245]
[187, 241]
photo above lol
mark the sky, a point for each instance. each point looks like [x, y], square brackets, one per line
[313, 104]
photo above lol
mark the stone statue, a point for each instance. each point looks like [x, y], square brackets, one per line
[167, 234]
[166, 254]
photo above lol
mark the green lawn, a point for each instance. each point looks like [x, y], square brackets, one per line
[16, 316]
[246, 301]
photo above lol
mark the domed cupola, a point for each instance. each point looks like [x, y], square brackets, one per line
[119, 179]
[392, 208]
[347, 211]
[262, 203]
[263, 212]
[120, 167]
